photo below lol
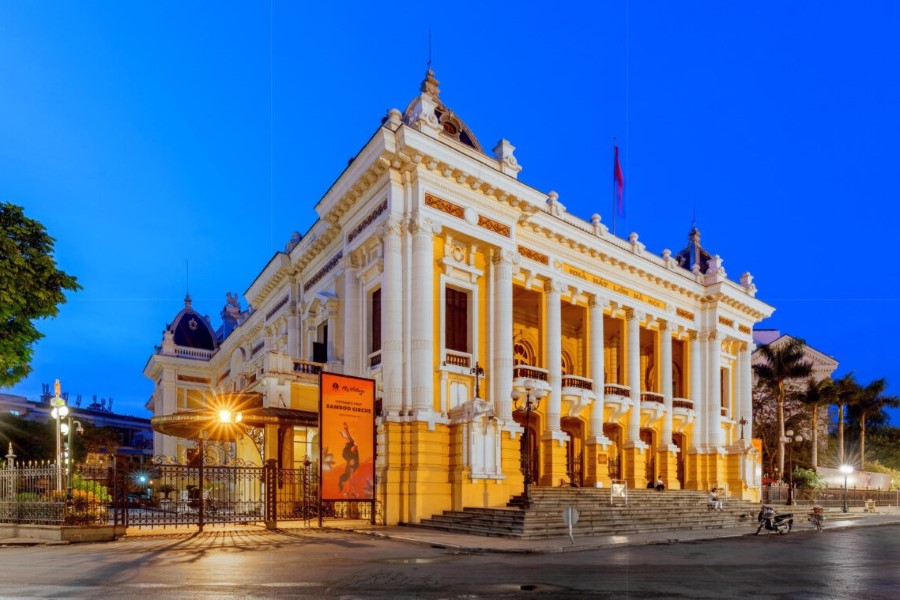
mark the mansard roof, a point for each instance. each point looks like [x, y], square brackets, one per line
[446, 120]
[191, 329]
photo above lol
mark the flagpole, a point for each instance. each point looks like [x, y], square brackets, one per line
[615, 207]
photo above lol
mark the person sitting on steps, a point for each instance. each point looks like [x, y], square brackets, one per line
[713, 502]
[660, 486]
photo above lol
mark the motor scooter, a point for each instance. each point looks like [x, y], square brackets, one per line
[771, 520]
[817, 517]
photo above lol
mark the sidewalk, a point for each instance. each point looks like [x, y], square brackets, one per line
[486, 545]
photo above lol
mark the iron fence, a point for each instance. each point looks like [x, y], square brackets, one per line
[46, 494]
[169, 495]
[831, 497]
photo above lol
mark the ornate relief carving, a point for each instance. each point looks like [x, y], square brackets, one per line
[744, 329]
[726, 322]
[494, 226]
[370, 218]
[534, 255]
[445, 206]
[331, 264]
[684, 314]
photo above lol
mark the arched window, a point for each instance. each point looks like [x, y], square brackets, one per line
[523, 353]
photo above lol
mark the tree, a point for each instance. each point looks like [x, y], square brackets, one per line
[781, 363]
[817, 394]
[31, 287]
[871, 402]
[848, 392]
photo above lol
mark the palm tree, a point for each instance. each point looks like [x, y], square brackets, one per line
[871, 402]
[781, 363]
[818, 393]
[848, 393]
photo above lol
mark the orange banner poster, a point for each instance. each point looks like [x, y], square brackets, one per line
[347, 413]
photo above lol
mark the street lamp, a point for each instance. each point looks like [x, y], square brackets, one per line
[527, 402]
[477, 371]
[67, 429]
[846, 470]
[58, 412]
[788, 439]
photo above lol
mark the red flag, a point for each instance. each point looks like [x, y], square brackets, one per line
[619, 181]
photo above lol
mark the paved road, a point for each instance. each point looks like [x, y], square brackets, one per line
[857, 563]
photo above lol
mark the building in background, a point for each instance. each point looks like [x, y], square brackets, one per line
[435, 271]
[134, 434]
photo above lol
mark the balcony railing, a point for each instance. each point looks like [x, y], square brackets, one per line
[458, 359]
[375, 359]
[724, 412]
[529, 372]
[307, 367]
[614, 389]
[682, 403]
[652, 397]
[574, 381]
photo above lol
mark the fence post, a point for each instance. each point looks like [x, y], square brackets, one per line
[271, 500]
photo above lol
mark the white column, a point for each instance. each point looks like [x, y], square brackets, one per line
[553, 352]
[331, 317]
[634, 374]
[714, 347]
[745, 371]
[666, 373]
[697, 361]
[501, 374]
[353, 334]
[597, 374]
[293, 336]
[392, 320]
[422, 324]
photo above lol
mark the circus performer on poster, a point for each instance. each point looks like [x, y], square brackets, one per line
[350, 454]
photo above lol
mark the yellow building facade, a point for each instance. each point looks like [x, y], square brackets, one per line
[433, 270]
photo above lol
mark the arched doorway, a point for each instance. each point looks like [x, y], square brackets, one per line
[647, 436]
[574, 427]
[678, 440]
[534, 442]
[614, 433]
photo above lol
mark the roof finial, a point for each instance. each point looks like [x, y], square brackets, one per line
[429, 47]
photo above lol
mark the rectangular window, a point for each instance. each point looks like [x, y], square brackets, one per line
[376, 321]
[320, 347]
[456, 332]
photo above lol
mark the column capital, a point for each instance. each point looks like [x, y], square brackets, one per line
[502, 255]
[419, 225]
[554, 286]
[598, 301]
[392, 226]
[633, 313]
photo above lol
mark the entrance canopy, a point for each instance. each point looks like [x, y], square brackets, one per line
[226, 422]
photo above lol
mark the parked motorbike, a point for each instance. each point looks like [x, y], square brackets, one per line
[817, 517]
[772, 520]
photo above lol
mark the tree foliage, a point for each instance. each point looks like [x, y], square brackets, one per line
[31, 288]
[781, 363]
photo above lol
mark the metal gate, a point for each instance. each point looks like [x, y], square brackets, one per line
[169, 495]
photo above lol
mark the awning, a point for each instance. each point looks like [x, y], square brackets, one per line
[191, 425]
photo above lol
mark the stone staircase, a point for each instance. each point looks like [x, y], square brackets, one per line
[645, 511]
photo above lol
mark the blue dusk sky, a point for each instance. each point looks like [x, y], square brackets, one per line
[149, 136]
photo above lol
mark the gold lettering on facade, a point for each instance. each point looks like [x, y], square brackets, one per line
[685, 314]
[533, 255]
[613, 286]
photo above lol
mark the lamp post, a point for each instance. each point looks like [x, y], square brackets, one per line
[477, 371]
[846, 470]
[527, 402]
[58, 412]
[67, 429]
[788, 439]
